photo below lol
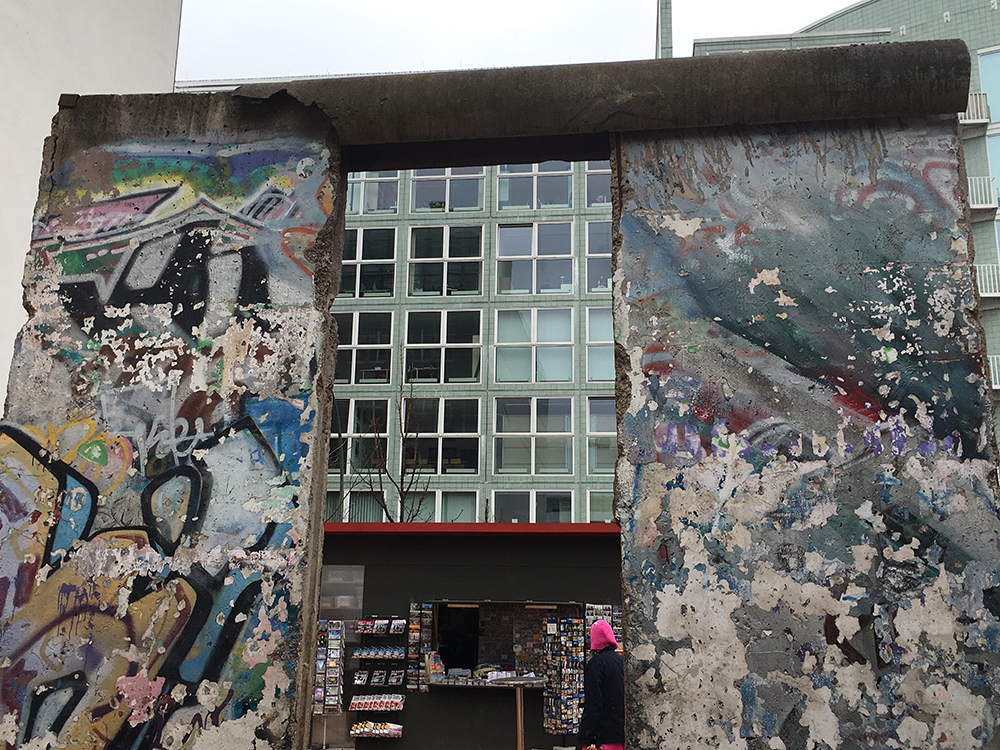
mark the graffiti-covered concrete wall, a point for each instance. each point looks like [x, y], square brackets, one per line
[156, 462]
[806, 486]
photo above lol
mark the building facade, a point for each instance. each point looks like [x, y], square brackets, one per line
[475, 370]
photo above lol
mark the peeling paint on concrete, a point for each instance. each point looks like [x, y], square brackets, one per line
[810, 530]
[152, 532]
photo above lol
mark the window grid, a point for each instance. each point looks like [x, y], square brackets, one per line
[369, 266]
[441, 506]
[447, 189]
[443, 346]
[364, 349]
[599, 257]
[441, 436]
[532, 506]
[373, 192]
[533, 435]
[534, 345]
[602, 440]
[445, 260]
[600, 506]
[522, 187]
[535, 258]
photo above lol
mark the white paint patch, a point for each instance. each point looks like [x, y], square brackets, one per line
[768, 277]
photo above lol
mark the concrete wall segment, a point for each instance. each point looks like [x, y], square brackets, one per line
[807, 488]
[167, 401]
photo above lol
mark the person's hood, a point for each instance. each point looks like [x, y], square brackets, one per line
[601, 636]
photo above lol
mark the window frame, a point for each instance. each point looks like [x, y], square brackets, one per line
[534, 344]
[533, 435]
[350, 436]
[449, 177]
[596, 344]
[596, 435]
[532, 495]
[354, 347]
[443, 346]
[534, 171]
[536, 259]
[358, 184]
[440, 434]
[598, 173]
[355, 266]
[445, 260]
[601, 258]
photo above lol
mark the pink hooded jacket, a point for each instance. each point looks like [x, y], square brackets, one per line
[601, 635]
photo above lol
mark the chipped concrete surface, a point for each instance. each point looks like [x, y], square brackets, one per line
[806, 487]
[158, 446]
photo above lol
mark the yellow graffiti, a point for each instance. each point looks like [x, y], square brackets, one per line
[121, 448]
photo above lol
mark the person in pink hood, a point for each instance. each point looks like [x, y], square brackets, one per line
[603, 721]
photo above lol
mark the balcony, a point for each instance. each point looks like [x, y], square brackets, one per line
[983, 198]
[975, 119]
[994, 370]
[988, 279]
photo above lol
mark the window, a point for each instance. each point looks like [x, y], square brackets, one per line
[364, 351]
[600, 506]
[442, 345]
[598, 183]
[534, 345]
[600, 345]
[441, 436]
[373, 273]
[445, 260]
[358, 436]
[365, 506]
[598, 256]
[533, 436]
[373, 192]
[602, 442]
[443, 506]
[527, 186]
[447, 189]
[535, 258]
[533, 506]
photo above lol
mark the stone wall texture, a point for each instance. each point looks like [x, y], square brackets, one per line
[806, 484]
[155, 463]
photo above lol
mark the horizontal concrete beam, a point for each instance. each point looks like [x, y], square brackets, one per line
[834, 83]
[512, 115]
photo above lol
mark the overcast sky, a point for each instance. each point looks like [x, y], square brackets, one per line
[258, 39]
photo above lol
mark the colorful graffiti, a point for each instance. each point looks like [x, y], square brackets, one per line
[811, 545]
[162, 406]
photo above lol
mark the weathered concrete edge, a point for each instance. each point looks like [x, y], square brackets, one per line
[842, 83]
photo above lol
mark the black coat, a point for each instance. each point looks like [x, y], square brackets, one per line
[603, 699]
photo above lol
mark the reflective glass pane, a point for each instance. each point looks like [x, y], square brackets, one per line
[507, 168]
[423, 328]
[350, 244]
[602, 415]
[378, 244]
[989, 73]
[371, 416]
[337, 454]
[511, 507]
[353, 197]
[599, 238]
[553, 507]
[600, 363]
[344, 323]
[461, 365]
[553, 455]
[427, 242]
[463, 327]
[365, 507]
[420, 454]
[465, 242]
[428, 195]
[513, 326]
[513, 364]
[433, 172]
[338, 418]
[595, 165]
[554, 276]
[598, 189]
[513, 455]
[417, 507]
[600, 326]
[423, 365]
[555, 191]
[377, 279]
[348, 281]
[466, 170]
[554, 364]
[601, 455]
[458, 507]
[372, 365]
[375, 328]
[461, 415]
[514, 276]
[380, 197]
[460, 455]
[513, 240]
[334, 510]
[421, 415]
[514, 193]
[466, 195]
[367, 454]
[555, 325]
[463, 277]
[426, 279]
[383, 173]
[513, 415]
[599, 274]
[555, 239]
[554, 414]
[554, 166]
[345, 362]
[601, 504]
